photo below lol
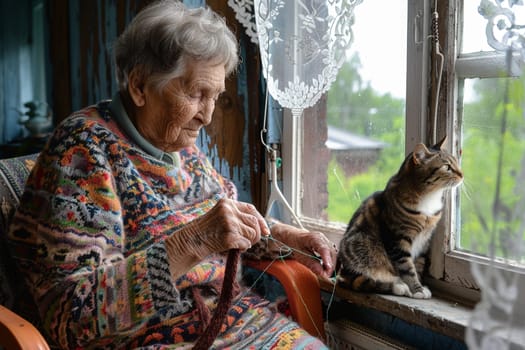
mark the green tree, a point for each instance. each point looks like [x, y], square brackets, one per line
[494, 165]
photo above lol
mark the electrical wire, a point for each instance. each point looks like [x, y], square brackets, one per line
[441, 60]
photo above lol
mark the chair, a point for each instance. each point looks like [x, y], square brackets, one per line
[19, 329]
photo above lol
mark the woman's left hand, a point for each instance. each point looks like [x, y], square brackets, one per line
[311, 249]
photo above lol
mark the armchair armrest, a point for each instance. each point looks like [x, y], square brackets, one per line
[302, 289]
[18, 334]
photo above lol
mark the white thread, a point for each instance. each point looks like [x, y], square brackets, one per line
[332, 295]
[282, 255]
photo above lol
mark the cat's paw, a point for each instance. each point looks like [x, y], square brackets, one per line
[402, 289]
[422, 294]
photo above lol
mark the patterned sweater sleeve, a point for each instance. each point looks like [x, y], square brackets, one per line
[89, 280]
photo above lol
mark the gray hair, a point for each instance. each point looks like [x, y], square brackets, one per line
[164, 35]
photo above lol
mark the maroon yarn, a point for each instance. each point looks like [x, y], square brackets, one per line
[202, 309]
[228, 289]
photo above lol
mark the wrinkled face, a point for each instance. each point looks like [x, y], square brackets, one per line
[170, 119]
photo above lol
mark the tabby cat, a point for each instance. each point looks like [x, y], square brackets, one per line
[390, 232]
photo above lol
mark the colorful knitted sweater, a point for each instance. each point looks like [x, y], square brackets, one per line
[91, 227]
[89, 236]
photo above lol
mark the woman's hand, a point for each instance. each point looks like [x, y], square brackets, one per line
[228, 225]
[311, 249]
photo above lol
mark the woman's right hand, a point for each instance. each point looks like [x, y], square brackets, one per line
[228, 225]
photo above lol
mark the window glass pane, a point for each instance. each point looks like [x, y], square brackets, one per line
[365, 115]
[501, 15]
[474, 24]
[493, 160]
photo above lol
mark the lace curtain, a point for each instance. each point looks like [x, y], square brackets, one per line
[302, 44]
[498, 321]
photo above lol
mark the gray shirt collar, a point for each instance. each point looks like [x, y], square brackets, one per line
[121, 116]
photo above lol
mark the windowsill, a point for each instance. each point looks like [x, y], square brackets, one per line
[440, 314]
[436, 314]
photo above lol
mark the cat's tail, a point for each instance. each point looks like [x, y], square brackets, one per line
[361, 283]
[364, 284]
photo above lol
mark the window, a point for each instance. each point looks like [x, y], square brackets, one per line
[492, 113]
[359, 127]
[488, 210]
[357, 136]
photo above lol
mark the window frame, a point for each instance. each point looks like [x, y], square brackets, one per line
[456, 265]
[449, 271]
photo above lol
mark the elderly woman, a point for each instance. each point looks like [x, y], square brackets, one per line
[124, 223]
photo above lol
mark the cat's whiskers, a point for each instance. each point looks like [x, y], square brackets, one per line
[466, 189]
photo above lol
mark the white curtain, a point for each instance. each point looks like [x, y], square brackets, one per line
[302, 44]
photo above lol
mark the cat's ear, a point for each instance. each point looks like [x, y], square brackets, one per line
[420, 153]
[440, 145]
